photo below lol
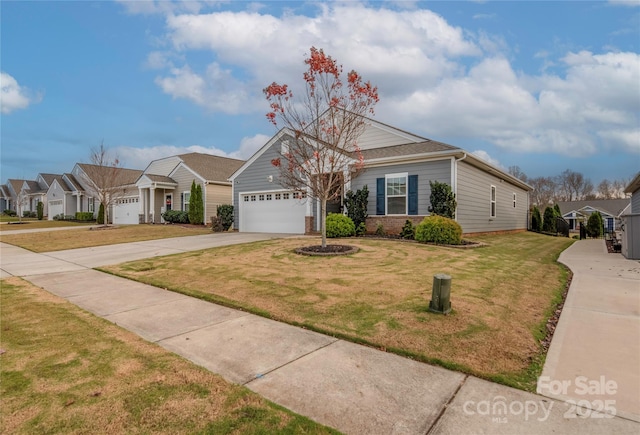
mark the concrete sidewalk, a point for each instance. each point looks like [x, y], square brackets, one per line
[594, 358]
[352, 388]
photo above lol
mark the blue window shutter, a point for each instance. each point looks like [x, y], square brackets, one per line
[413, 195]
[380, 196]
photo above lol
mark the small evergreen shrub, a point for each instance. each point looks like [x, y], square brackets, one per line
[40, 210]
[216, 224]
[408, 231]
[176, 217]
[225, 213]
[339, 225]
[380, 230]
[100, 218]
[84, 216]
[556, 210]
[361, 229]
[439, 230]
[28, 214]
[536, 219]
[9, 212]
[595, 225]
[549, 220]
[356, 205]
[443, 201]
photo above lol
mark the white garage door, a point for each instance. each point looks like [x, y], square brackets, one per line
[126, 211]
[54, 209]
[272, 212]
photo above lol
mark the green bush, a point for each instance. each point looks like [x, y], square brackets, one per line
[225, 213]
[556, 210]
[595, 225]
[100, 219]
[361, 229]
[356, 204]
[9, 212]
[28, 214]
[536, 219]
[439, 230]
[408, 231]
[84, 216]
[380, 230]
[549, 221]
[40, 210]
[176, 217]
[339, 225]
[443, 201]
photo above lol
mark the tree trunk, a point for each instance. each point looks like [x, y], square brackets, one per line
[323, 221]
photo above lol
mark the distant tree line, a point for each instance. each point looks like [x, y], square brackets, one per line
[569, 186]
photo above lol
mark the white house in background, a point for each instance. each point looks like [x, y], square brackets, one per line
[166, 184]
[397, 169]
[611, 210]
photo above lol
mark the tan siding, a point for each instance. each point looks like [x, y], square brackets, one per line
[474, 193]
[215, 195]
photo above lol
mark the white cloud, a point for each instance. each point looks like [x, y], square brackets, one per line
[13, 96]
[249, 145]
[629, 3]
[434, 78]
[139, 158]
[483, 155]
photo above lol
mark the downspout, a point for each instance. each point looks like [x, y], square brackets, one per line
[455, 177]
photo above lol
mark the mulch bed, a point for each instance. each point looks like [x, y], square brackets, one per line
[327, 250]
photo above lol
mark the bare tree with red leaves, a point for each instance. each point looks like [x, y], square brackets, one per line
[325, 124]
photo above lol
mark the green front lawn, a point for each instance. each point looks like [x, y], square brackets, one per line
[66, 371]
[501, 295]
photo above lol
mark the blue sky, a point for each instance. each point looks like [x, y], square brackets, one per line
[546, 86]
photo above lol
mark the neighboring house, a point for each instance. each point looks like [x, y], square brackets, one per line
[630, 226]
[397, 169]
[18, 194]
[575, 212]
[63, 195]
[166, 184]
[5, 198]
[126, 208]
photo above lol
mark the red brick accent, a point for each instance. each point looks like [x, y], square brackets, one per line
[308, 225]
[392, 225]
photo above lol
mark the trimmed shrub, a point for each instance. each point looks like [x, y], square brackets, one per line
[100, 219]
[595, 225]
[40, 210]
[176, 217]
[361, 229]
[408, 231]
[549, 221]
[339, 225]
[196, 205]
[225, 213]
[556, 210]
[439, 230]
[380, 230]
[84, 216]
[216, 224]
[28, 214]
[443, 201]
[536, 219]
[9, 212]
[356, 204]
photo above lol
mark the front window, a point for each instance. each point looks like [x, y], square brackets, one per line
[186, 196]
[396, 188]
[91, 204]
[493, 202]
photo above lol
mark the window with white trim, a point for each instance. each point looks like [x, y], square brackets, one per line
[493, 202]
[186, 197]
[396, 190]
[91, 204]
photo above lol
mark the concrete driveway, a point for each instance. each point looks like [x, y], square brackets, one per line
[353, 388]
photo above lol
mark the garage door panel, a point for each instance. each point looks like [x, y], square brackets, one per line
[126, 211]
[263, 213]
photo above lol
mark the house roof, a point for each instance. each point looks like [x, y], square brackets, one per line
[70, 182]
[634, 186]
[15, 184]
[612, 207]
[126, 176]
[210, 167]
[159, 178]
[427, 146]
[48, 178]
[33, 186]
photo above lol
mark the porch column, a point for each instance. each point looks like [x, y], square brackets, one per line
[152, 203]
[141, 203]
[79, 202]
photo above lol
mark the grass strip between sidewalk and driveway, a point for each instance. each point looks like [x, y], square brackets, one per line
[66, 371]
[502, 295]
[83, 238]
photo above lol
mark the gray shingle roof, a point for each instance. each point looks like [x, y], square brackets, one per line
[612, 207]
[126, 176]
[409, 149]
[210, 167]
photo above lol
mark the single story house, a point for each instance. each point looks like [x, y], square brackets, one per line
[611, 210]
[166, 185]
[397, 169]
[63, 196]
[630, 227]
